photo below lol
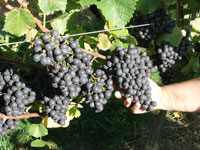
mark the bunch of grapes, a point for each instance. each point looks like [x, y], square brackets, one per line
[65, 77]
[166, 56]
[14, 97]
[197, 47]
[130, 69]
[159, 22]
[14, 94]
[168, 75]
[98, 89]
[56, 104]
[7, 125]
[183, 46]
[50, 49]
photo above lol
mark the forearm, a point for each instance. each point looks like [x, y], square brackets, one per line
[184, 96]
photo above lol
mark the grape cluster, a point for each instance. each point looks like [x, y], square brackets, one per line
[6, 125]
[197, 47]
[168, 75]
[183, 46]
[69, 80]
[55, 103]
[65, 77]
[73, 73]
[159, 22]
[130, 69]
[166, 56]
[98, 89]
[14, 97]
[14, 94]
[50, 49]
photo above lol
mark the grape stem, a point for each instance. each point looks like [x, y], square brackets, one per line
[95, 54]
[20, 62]
[30, 115]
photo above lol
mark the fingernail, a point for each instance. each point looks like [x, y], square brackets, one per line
[118, 94]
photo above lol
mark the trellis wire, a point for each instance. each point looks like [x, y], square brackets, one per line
[85, 33]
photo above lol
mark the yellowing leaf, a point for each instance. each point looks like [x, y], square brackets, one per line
[31, 34]
[104, 43]
[177, 115]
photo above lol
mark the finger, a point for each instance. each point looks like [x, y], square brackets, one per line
[118, 95]
[127, 102]
[136, 109]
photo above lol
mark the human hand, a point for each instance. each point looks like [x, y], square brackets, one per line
[156, 93]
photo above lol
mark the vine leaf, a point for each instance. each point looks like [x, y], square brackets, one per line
[38, 143]
[195, 64]
[117, 12]
[170, 2]
[87, 2]
[31, 34]
[18, 22]
[61, 22]
[174, 38]
[156, 77]
[87, 47]
[37, 130]
[115, 34]
[104, 42]
[116, 43]
[147, 6]
[129, 39]
[50, 6]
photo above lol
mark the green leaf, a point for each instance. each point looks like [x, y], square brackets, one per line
[195, 64]
[77, 114]
[116, 43]
[2, 18]
[71, 5]
[50, 6]
[87, 47]
[191, 4]
[37, 130]
[117, 12]
[74, 112]
[60, 23]
[129, 39]
[187, 67]
[87, 2]
[38, 143]
[174, 38]
[118, 33]
[148, 6]
[157, 78]
[170, 2]
[18, 22]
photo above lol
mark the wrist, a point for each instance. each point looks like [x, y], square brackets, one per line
[164, 105]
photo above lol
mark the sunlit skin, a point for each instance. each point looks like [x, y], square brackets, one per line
[184, 96]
